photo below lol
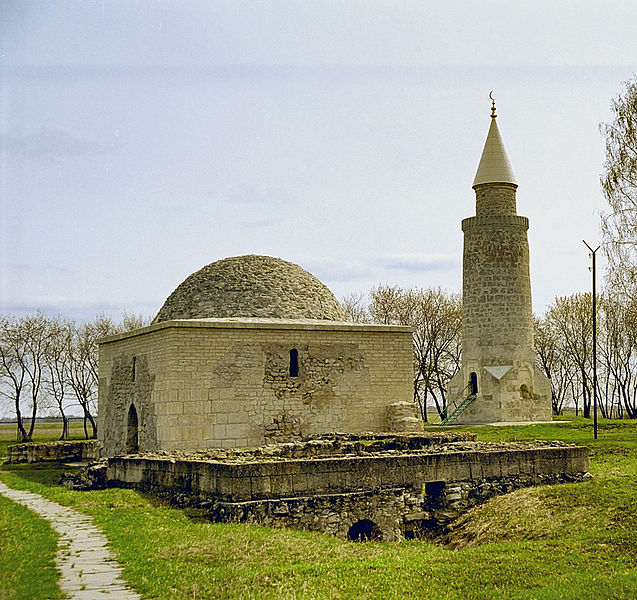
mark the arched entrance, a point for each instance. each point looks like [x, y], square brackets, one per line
[132, 434]
[473, 384]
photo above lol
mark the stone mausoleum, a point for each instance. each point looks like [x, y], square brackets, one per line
[247, 351]
[498, 371]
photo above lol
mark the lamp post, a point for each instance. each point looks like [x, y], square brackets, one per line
[592, 255]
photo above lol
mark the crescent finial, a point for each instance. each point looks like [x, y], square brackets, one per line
[493, 115]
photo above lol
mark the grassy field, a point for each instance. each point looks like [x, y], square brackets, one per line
[43, 432]
[568, 541]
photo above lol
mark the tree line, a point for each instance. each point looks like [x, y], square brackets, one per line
[51, 363]
[563, 345]
[437, 320]
[564, 351]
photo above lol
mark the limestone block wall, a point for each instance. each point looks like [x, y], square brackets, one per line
[131, 372]
[508, 393]
[393, 513]
[65, 450]
[229, 382]
[400, 495]
[497, 316]
[495, 199]
[243, 481]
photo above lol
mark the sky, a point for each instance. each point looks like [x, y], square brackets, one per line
[142, 140]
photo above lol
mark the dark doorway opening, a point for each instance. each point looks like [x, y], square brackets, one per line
[433, 492]
[364, 531]
[294, 363]
[132, 434]
[473, 384]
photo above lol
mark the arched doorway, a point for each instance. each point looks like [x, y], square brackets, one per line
[473, 384]
[132, 434]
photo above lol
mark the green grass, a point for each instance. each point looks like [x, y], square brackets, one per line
[27, 554]
[568, 541]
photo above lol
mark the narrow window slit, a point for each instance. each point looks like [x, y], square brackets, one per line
[294, 363]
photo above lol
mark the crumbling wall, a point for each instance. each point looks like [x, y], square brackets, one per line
[228, 383]
[401, 493]
[238, 480]
[398, 513]
[64, 450]
[129, 382]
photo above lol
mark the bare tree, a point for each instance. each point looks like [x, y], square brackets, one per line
[13, 371]
[82, 369]
[41, 359]
[129, 322]
[618, 354]
[437, 346]
[392, 305]
[619, 184]
[57, 367]
[23, 348]
[572, 319]
[36, 335]
[355, 308]
[552, 359]
[437, 321]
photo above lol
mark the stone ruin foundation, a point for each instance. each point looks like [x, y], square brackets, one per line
[60, 451]
[358, 487]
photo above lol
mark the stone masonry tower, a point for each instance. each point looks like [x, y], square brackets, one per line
[498, 357]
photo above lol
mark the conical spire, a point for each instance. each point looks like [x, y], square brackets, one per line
[494, 164]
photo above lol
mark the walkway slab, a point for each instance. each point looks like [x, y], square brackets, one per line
[89, 569]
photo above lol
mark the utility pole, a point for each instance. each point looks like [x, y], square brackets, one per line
[592, 255]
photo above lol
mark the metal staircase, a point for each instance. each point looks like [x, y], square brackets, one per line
[458, 408]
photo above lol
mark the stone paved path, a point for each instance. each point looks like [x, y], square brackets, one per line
[89, 570]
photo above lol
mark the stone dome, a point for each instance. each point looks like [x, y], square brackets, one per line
[251, 286]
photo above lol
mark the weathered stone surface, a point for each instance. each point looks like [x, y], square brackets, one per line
[329, 445]
[227, 382]
[93, 477]
[401, 417]
[405, 485]
[251, 286]
[330, 513]
[129, 387]
[68, 451]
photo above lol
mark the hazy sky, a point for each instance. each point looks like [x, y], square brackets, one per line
[141, 140]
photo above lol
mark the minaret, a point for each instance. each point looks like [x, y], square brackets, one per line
[498, 357]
